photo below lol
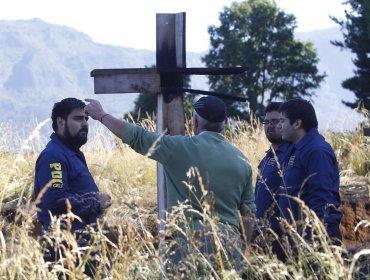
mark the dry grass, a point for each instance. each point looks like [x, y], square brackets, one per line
[130, 251]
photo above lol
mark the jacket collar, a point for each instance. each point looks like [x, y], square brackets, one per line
[59, 141]
[281, 149]
[312, 133]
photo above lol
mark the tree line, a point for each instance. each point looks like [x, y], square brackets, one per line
[260, 35]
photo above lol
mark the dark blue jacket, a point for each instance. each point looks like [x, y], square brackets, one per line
[269, 181]
[64, 169]
[311, 173]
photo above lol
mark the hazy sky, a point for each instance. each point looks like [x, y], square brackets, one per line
[132, 23]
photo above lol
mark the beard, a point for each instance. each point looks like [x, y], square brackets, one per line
[75, 140]
[274, 138]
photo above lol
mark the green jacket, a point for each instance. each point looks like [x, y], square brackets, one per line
[225, 172]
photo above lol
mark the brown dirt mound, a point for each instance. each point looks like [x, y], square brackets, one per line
[356, 213]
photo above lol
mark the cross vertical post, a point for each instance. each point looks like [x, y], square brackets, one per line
[167, 82]
[170, 54]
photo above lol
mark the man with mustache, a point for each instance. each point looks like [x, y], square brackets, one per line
[61, 173]
[268, 178]
[269, 173]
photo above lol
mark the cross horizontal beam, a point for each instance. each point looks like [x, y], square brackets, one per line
[205, 92]
[148, 80]
[206, 71]
[141, 80]
[221, 95]
[185, 71]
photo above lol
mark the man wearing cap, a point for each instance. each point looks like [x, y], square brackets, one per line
[225, 172]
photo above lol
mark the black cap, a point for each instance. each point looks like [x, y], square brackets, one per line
[211, 108]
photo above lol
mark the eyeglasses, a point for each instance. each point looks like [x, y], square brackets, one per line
[273, 122]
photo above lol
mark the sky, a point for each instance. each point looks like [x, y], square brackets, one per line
[132, 23]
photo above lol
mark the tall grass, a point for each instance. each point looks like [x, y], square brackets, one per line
[130, 248]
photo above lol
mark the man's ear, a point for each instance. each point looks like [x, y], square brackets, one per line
[297, 123]
[60, 123]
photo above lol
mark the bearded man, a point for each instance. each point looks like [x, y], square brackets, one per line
[61, 171]
[270, 168]
[269, 179]
[61, 175]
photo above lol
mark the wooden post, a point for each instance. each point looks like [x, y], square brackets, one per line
[167, 82]
[171, 54]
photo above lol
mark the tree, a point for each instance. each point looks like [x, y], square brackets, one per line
[257, 34]
[145, 104]
[356, 33]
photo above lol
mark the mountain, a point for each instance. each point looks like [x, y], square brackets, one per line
[338, 66]
[41, 63]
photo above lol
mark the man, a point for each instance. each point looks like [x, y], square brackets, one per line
[61, 169]
[269, 180]
[270, 168]
[225, 171]
[61, 173]
[311, 171]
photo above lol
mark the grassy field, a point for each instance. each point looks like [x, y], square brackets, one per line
[130, 249]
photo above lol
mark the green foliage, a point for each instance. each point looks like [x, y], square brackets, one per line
[146, 105]
[259, 35]
[352, 151]
[356, 33]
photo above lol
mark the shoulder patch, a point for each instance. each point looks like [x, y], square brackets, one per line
[291, 160]
[271, 161]
[56, 175]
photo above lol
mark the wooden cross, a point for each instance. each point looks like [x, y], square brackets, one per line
[166, 80]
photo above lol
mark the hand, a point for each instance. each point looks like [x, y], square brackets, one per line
[248, 222]
[94, 109]
[104, 200]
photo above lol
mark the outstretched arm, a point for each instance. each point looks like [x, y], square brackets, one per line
[96, 111]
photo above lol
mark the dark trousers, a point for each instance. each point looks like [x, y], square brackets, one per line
[55, 251]
[230, 242]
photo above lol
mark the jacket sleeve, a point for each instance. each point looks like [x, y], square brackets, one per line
[52, 187]
[155, 146]
[248, 197]
[322, 187]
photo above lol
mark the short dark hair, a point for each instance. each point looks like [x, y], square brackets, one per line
[299, 109]
[273, 106]
[63, 108]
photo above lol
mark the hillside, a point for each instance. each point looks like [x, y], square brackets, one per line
[338, 66]
[41, 63]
